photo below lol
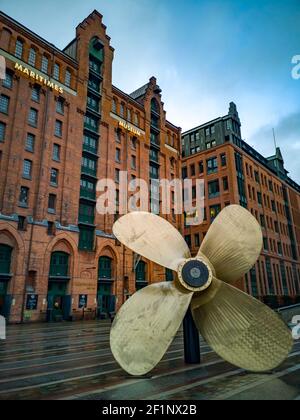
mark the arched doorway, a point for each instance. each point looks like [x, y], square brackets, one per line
[5, 276]
[141, 275]
[105, 297]
[59, 302]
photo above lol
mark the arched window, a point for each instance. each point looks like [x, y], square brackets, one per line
[122, 110]
[19, 48]
[114, 106]
[155, 106]
[68, 78]
[56, 71]
[59, 265]
[5, 38]
[5, 258]
[105, 268]
[96, 55]
[32, 57]
[45, 64]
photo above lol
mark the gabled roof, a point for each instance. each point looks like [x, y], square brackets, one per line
[139, 92]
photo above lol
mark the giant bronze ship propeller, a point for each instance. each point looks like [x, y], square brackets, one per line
[238, 327]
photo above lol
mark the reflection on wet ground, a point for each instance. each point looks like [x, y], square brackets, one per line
[73, 361]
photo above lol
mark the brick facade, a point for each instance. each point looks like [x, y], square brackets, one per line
[32, 231]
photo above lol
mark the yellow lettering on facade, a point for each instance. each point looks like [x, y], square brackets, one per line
[50, 84]
[129, 128]
[38, 78]
[18, 67]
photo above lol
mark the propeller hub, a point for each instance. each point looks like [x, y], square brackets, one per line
[195, 274]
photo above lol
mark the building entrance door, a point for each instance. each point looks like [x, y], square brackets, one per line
[56, 300]
[106, 300]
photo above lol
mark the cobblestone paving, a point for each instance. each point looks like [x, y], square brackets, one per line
[73, 361]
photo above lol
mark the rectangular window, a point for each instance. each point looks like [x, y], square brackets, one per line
[91, 123]
[30, 141]
[86, 239]
[197, 240]
[33, 117]
[273, 206]
[24, 195]
[154, 155]
[214, 211]
[223, 159]
[213, 189]
[133, 162]
[118, 155]
[154, 172]
[259, 198]
[256, 176]
[44, 65]
[60, 106]
[262, 221]
[56, 152]
[8, 81]
[271, 186]
[117, 175]
[35, 93]
[93, 103]
[51, 203]
[118, 135]
[212, 165]
[56, 71]
[192, 170]
[225, 184]
[4, 104]
[89, 166]
[54, 176]
[2, 131]
[188, 240]
[21, 223]
[90, 144]
[201, 168]
[266, 244]
[58, 128]
[27, 169]
[86, 213]
[184, 173]
[279, 247]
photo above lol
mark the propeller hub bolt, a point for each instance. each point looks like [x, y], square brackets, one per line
[195, 274]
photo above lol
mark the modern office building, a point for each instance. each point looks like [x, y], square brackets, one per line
[235, 173]
[63, 127]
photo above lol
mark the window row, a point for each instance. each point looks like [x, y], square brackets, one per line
[24, 199]
[277, 247]
[127, 113]
[211, 166]
[34, 59]
[262, 179]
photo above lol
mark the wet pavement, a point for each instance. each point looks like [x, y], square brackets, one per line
[73, 361]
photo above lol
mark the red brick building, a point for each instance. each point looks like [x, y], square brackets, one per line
[63, 126]
[235, 173]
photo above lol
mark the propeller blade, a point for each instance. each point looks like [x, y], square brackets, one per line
[152, 237]
[242, 330]
[145, 326]
[233, 243]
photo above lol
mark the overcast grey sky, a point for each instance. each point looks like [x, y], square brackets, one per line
[204, 53]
